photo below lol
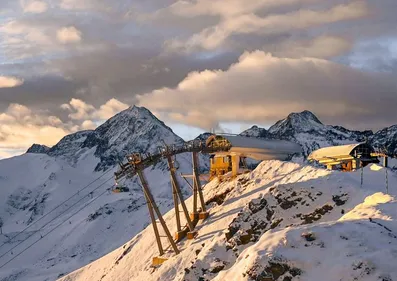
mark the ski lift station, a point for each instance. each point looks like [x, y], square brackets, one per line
[223, 162]
[345, 157]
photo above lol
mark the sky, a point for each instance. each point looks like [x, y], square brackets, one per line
[68, 65]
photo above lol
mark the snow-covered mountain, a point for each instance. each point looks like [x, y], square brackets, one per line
[282, 222]
[386, 139]
[135, 129]
[307, 130]
[37, 182]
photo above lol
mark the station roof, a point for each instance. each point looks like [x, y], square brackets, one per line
[260, 149]
[334, 151]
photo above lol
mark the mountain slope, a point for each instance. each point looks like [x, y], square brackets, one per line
[135, 129]
[33, 184]
[386, 139]
[256, 225]
[307, 130]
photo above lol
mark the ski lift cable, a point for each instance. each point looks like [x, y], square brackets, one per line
[31, 245]
[55, 208]
[70, 207]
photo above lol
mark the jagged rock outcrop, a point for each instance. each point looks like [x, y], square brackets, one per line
[386, 139]
[38, 148]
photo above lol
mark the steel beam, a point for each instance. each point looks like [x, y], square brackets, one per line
[154, 224]
[150, 199]
[196, 181]
[178, 192]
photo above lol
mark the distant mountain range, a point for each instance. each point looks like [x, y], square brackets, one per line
[136, 129]
[307, 130]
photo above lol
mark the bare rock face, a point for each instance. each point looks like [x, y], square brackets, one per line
[386, 139]
[38, 148]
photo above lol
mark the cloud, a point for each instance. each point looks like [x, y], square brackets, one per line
[261, 88]
[20, 127]
[69, 34]
[10, 82]
[109, 109]
[121, 49]
[88, 125]
[35, 7]
[319, 47]
[214, 36]
[80, 110]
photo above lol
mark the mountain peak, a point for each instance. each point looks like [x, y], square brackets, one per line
[304, 121]
[256, 132]
[304, 115]
[38, 148]
[134, 129]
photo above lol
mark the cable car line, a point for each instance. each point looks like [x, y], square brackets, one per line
[31, 245]
[56, 207]
[71, 206]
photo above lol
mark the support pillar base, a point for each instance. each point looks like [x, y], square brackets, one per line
[194, 216]
[191, 235]
[158, 261]
[203, 215]
[179, 235]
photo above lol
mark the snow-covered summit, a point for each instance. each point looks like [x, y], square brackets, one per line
[256, 132]
[307, 130]
[304, 121]
[135, 129]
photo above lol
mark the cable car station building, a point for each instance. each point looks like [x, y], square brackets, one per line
[241, 148]
[345, 157]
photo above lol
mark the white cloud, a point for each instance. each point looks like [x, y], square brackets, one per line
[109, 109]
[80, 110]
[88, 125]
[20, 128]
[35, 7]
[250, 23]
[261, 88]
[10, 82]
[69, 34]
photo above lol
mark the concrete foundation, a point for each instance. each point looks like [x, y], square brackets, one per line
[179, 235]
[191, 235]
[158, 261]
[203, 215]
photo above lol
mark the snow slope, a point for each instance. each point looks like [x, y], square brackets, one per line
[34, 183]
[293, 221]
